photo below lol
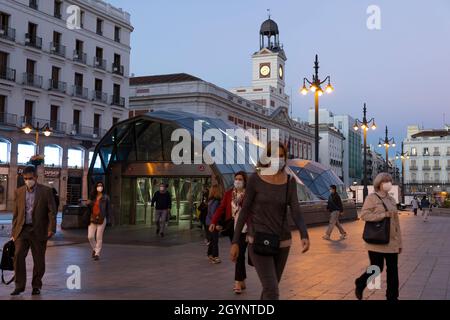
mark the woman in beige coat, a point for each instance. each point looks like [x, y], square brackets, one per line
[373, 210]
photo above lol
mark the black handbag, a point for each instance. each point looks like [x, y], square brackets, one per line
[378, 232]
[268, 244]
[7, 262]
[227, 227]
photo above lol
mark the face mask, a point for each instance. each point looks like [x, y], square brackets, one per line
[99, 189]
[238, 184]
[387, 186]
[30, 183]
[281, 163]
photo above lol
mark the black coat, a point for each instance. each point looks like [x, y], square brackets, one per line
[335, 203]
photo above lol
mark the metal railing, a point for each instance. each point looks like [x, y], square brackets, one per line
[426, 168]
[99, 63]
[55, 85]
[437, 168]
[100, 96]
[8, 74]
[80, 92]
[413, 168]
[95, 133]
[8, 119]
[32, 80]
[8, 33]
[118, 69]
[33, 41]
[118, 101]
[58, 49]
[79, 56]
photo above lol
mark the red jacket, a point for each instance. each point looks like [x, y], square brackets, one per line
[224, 208]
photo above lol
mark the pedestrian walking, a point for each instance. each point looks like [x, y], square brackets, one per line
[100, 208]
[377, 207]
[215, 196]
[269, 192]
[336, 208]
[228, 212]
[163, 201]
[415, 205]
[34, 222]
[426, 208]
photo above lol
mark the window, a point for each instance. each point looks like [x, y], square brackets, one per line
[100, 27]
[340, 125]
[82, 14]
[75, 158]
[436, 177]
[414, 151]
[57, 9]
[97, 118]
[436, 163]
[5, 151]
[115, 120]
[272, 103]
[33, 4]
[31, 66]
[448, 151]
[28, 112]
[54, 116]
[98, 163]
[2, 109]
[79, 47]
[117, 34]
[76, 121]
[25, 151]
[426, 177]
[426, 152]
[53, 156]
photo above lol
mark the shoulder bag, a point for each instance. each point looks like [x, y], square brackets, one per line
[378, 232]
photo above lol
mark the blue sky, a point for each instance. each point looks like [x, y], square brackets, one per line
[402, 71]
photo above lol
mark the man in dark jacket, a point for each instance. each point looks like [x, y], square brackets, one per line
[163, 201]
[335, 208]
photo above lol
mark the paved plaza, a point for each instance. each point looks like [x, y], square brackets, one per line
[177, 268]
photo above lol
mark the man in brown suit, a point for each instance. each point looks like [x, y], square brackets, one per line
[34, 222]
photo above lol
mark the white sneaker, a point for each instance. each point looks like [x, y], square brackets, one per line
[326, 237]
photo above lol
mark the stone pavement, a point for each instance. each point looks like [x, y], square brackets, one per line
[181, 271]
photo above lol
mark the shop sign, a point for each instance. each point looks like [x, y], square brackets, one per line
[51, 173]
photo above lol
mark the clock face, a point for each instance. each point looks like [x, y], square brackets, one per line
[280, 71]
[265, 71]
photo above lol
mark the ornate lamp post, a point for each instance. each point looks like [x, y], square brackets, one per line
[403, 156]
[315, 86]
[387, 143]
[364, 126]
[46, 130]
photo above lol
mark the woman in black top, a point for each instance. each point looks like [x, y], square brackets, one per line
[264, 210]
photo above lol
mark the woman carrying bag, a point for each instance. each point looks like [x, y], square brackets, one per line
[382, 236]
[100, 211]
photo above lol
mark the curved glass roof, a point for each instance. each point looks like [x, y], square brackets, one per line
[317, 178]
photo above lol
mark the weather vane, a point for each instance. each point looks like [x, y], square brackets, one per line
[268, 12]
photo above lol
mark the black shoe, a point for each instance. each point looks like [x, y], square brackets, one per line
[157, 231]
[358, 291]
[96, 257]
[16, 292]
[36, 292]
[93, 254]
[162, 234]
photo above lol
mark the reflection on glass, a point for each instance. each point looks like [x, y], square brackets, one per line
[53, 156]
[25, 152]
[75, 158]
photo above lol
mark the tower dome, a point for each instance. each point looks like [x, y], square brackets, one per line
[269, 28]
[269, 35]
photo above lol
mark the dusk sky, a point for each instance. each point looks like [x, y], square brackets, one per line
[402, 71]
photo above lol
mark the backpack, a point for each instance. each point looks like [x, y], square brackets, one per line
[7, 262]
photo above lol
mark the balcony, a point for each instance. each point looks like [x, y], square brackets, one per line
[8, 33]
[33, 4]
[55, 126]
[117, 101]
[58, 49]
[426, 154]
[437, 168]
[59, 127]
[80, 92]
[58, 86]
[33, 41]
[447, 168]
[8, 74]
[79, 56]
[436, 153]
[100, 96]
[8, 119]
[32, 80]
[448, 153]
[100, 63]
[413, 168]
[117, 69]
[426, 168]
[89, 132]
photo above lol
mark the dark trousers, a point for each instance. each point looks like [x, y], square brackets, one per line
[269, 270]
[213, 246]
[26, 240]
[415, 212]
[377, 259]
[240, 272]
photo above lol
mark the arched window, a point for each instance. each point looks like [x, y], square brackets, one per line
[25, 150]
[75, 158]
[98, 163]
[53, 156]
[5, 151]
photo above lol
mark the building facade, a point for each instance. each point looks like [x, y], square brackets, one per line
[75, 80]
[353, 158]
[331, 150]
[428, 168]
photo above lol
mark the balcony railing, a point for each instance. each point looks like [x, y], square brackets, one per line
[436, 153]
[33, 41]
[426, 168]
[58, 49]
[100, 96]
[32, 80]
[413, 168]
[447, 168]
[438, 168]
[99, 63]
[34, 4]
[448, 153]
[8, 33]
[79, 56]
[95, 133]
[425, 154]
[117, 101]
[8, 74]
[8, 119]
[117, 69]
[57, 126]
[57, 86]
[80, 92]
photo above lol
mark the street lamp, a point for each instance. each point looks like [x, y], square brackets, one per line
[364, 126]
[387, 143]
[315, 87]
[403, 156]
[45, 129]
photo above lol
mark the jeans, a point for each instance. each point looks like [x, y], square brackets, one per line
[425, 213]
[334, 222]
[213, 246]
[269, 270]
[161, 219]
[95, 236]
[377, 259]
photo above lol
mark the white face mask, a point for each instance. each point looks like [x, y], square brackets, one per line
[238, 184]
[279, 164]
[99, 189]
[30, 183]
[387, 186]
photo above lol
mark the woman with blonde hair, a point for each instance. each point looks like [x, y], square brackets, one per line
[377, 207]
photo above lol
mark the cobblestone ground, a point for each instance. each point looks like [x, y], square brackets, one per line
[171, 269]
